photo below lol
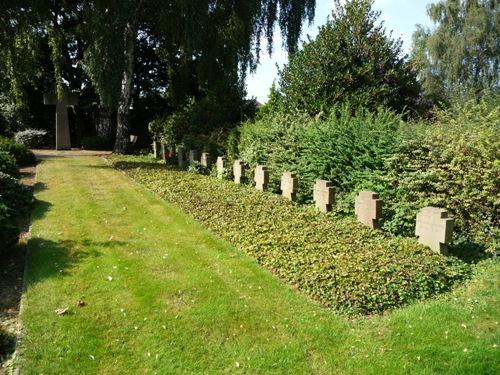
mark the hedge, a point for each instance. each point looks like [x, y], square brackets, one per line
[20, 152]
[8, 164]
[15, 202]
[337, 262]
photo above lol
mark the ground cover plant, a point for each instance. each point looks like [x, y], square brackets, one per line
[161, 294]
[335, 261]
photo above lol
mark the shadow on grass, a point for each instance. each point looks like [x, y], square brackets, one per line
[47, 258]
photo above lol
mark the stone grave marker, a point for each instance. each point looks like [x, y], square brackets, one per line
[289, 185]
[205, 159]
[238, 171]
[368, 208]
[156, 150]
[324, 195]
[63, 140]
[261, 177]
[193, 155]
[180, 157]
[434, 228]
[221, 162]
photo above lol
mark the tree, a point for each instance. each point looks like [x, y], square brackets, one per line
[461, 56]
[353, 60]
[209, 41]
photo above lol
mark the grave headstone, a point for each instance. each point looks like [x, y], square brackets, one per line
[221, 162]
[434, 228]
[193, 155]
[368, 208]
[205, 159]
[324, 195]
[156, 150]
[180, 157]
[261, 177]
[238, 171]
[289, 185]
[63, 140]
[164, 152]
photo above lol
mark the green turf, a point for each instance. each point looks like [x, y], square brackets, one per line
[182, 301]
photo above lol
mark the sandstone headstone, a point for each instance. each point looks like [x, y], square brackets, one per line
[324, 195]
[180, 157]
[221, 162]
[193, 155]
[261, 177]
[289, 185]
[238, 171]
[63, 140]
[205, 159]
[163, 152]
[156, 150]
[368, 208]
[434, 228]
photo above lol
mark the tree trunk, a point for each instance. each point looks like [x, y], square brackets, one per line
[122, 142]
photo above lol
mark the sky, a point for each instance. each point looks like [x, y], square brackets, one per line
[400, 16]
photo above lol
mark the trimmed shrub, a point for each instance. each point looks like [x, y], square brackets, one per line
[342, 148]
[8, 164]
[452, 163]
[20, 152]
[339, 263]
[15, 203]
[31, 138]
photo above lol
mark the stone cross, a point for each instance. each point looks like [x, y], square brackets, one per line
[221, 162]
[324, 195]
[238, 171]
[63, 140]
[289, 185]
[434, 228]
[368, 208]
[180, 157]
[205, 159]
[192, 156]
[261, 177]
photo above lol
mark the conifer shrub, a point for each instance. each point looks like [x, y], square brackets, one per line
[20, 152]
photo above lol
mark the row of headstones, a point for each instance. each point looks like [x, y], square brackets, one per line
[433, 226]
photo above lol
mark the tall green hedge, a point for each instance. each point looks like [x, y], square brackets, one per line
[452, 163]
[339, 263]
[342, 148]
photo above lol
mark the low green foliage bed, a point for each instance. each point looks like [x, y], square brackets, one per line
[337, 262]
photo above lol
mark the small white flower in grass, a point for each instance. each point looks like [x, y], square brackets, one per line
[149, 354]
[463, 325]
[237, 364]
[110, 278]
[136, 328]
[466, 350]
[418, 358]
[91, 357]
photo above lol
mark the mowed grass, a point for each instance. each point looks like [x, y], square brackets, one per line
[162, 295]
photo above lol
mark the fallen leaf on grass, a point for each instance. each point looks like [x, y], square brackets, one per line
[61, 311]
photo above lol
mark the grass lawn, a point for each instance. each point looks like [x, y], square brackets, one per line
[162, 295]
